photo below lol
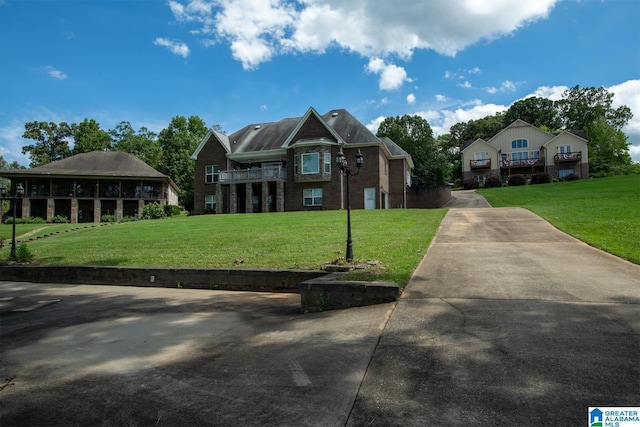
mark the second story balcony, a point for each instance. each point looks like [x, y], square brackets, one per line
[480, 164]
[239, 176]
[521, 163]
[568, 157]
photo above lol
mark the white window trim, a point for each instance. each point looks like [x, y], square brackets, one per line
[317, 163]
[213, 174]
[315, 196]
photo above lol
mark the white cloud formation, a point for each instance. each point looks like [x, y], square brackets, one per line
[55, 73]
[175, 47]
[257, 30]
[391, 76]
[506, 86]
[411, 99]
[628, 93]
[441, 98]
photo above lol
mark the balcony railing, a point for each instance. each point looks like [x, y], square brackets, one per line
[480, 164]
[568, 157]
[521, 163]
[269, 173]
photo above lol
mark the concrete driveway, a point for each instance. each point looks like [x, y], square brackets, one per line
[510, 322]
[507, 321]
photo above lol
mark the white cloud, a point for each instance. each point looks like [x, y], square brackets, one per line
[374, 124]
[411, 99]
[391, 76]
[553, 93]
[506, 86]
[628, 93]
[465, 85]
[441, 98]
[257, 30]
[177, 48]
[55, 73]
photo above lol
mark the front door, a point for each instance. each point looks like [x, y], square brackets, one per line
[369, 198]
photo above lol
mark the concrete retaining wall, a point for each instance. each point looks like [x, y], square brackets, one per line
[332, 292]
[220, 279]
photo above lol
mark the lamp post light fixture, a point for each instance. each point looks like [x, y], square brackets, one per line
[341, 161]
[14, 199]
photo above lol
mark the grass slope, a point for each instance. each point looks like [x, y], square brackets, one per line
[603, 212]
[291, 240]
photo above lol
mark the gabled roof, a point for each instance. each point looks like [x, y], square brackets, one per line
[396, 151]
[102, 164]
[264, 140]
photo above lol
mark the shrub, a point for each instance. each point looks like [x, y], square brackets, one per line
[515, 180]
[470, 184]
[23, 253]
[572, 177]
[171, 210]
[128, 219]
[153, 211]
[108, 218]
[60, 219]
[540, 178]
[32, 220]
[493, 182]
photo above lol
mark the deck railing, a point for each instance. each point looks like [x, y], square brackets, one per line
[521, 163]
[480, 164]
[269, 173]
[568, 157]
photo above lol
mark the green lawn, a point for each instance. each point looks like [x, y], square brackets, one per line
[603, 212]
[292, 240]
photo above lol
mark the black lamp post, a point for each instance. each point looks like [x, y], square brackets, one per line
[341, 161]
[14, 199]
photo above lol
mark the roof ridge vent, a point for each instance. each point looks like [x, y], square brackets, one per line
[334, 114]
[256, 127]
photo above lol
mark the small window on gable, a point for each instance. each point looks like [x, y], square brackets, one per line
[310, 163]
[211, 174]
[519, 143]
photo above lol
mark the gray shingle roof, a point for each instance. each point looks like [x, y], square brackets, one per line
[95, 163]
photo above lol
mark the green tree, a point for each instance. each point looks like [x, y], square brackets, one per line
[580, 107]
[484, 128]
[51, 142]
[143, 144]
[537, 111]
[415, 136]
[450, 150]
[177, 142]
[89, 137]
[608, 150]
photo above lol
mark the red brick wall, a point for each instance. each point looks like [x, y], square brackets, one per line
[211, 154]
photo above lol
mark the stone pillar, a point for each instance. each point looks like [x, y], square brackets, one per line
[248, 201]
[280, 196]
[119, 209]
[233, 205]
[265, 196]
[51, 208]
[219, 201]
[97, 210]
[140, 208]
[26, 208]
[74, 211]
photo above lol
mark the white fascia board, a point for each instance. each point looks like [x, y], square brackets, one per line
[258, 156]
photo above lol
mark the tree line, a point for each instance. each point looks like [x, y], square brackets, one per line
[589, 109]
[436, 160]
[168, 152]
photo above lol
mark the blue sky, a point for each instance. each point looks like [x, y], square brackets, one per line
[238, 62]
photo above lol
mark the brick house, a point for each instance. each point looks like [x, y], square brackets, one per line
[521, 148]
[86, 186]
[289, 165]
